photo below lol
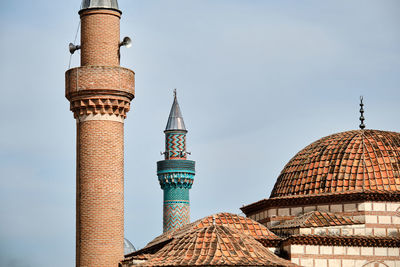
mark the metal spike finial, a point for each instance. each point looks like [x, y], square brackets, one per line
[175, 92]
[362, 125]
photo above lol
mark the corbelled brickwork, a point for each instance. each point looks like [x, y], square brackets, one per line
[100, 92]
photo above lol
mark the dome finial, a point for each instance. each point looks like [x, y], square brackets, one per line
[362, 125]
[175, 93]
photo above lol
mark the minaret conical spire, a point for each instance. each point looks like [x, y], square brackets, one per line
[175, 119]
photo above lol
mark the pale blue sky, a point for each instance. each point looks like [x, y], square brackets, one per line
[257, 81]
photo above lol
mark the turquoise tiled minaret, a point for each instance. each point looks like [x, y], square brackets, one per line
[175, 173]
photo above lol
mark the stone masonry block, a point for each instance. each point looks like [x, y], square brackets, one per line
[284, 212]
[371, 219]
[378, 206]
[339, 250]
[334, 263]
[312, 250]
[394, 252]
[392, 206]
[323, 208]
[336, 208]
[321, 262]
[325, 250]
[353, 251]
[271, 212]
[385, 219]
[309, 208]
[305, 231]
[296, 211]
[348, 263]
[367, 251]
[368, 206]
[380, 231]
[307, 262]
[380, 251]
[297, 249]
[350, 207]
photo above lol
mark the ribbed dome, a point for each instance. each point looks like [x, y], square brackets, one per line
[359, 160]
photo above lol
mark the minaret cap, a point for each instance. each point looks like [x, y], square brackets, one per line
[95, 4]
[175, 120]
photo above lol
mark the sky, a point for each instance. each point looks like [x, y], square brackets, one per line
[257, 81]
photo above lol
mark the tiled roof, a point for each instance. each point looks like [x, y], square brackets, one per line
[245, 225]
[343, 162]
[316, 219]
[356, 241]
[213, 245]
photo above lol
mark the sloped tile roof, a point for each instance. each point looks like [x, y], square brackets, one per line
[213, 245]
[316, 219]
[246, 225]
[359, 160]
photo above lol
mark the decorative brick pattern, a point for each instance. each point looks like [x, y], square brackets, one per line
[175, 145]
[343, 162]
[176, 214]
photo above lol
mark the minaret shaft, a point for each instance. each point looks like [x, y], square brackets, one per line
[100, 92]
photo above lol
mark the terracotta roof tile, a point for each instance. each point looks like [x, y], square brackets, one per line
[343, 162]
[213, 245]
[246, 225]
[316, 219]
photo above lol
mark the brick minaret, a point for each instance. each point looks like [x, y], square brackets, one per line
[100, 92]
[175, 173]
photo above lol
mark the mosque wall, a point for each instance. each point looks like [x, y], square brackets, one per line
[340, 256]
[380, 218]
[358, 229]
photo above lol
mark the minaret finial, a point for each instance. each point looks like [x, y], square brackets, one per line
[175, 92]
[362, 125]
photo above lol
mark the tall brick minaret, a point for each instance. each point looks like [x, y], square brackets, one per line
[175, 173]
[100, 92]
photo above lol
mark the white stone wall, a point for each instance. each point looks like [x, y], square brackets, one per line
[381, 218]
[329, 256]
[358, 229]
